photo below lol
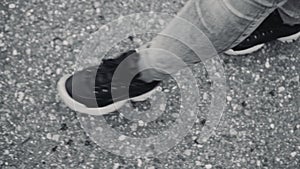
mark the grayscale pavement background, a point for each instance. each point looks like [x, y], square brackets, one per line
[39, 40]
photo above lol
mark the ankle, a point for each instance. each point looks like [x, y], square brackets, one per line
[148, 74]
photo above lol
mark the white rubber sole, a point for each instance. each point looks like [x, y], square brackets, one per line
[246, 51]
[287, 39]
[81, 108]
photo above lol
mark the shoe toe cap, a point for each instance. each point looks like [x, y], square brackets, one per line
[81, 89]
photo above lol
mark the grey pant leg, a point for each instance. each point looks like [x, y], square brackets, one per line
[290, 12]
[224, 23]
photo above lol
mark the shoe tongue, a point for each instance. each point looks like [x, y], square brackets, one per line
[273, 20]
[127, 65]
[118, 60]
[120, 68]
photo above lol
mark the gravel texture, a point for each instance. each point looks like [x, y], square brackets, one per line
[260, 127]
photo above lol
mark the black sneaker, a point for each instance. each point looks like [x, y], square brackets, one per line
[90, 90]
[271, 29]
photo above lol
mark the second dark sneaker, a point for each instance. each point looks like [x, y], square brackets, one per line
[271, 29]
[91, 90]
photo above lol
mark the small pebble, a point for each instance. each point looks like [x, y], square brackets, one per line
[134, 127]
[208, 166]
[6, 152]
[55, 137]
[28, 51]
[58, 71]
[65, 43]
[97, 4]
[258, 163]
[1, 44]
[104, 28]
[15, 52]
[229, 98]
[139, 163]
[122, 138]
[267, 64]
[49, 136]
[99, 129]
[293, 154]
[205, 96]
[281, 89]
[116, 166]
[162, 107]
[187, 152]
[11, 6]
[141, 123]
[198, 163]
[98, 10]
[257, 77]
[20, 96]
[48, 71]
[166, 90]
[233, 132]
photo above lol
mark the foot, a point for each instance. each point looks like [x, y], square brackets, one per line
[90, 90]
[271, 29]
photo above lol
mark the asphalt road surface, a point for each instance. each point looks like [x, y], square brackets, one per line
[39, 40]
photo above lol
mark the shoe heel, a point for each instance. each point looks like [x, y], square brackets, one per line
[143, 97]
